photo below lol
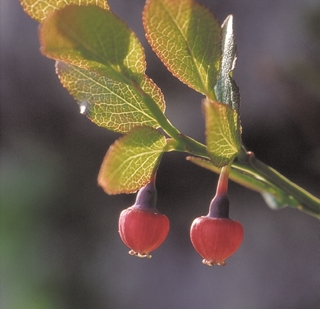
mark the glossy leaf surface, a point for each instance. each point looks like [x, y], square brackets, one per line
[108, 103]
[226, 89]
[131, 161]
[223, 132]
[39, 9]
[186, 37]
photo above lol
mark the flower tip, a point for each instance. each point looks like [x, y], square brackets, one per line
[140, 255]
[213, 263]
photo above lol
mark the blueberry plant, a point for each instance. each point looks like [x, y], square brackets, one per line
[101, 62]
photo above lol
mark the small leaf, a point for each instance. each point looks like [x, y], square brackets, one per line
[93, 38]
[39, 10]
[273, 202]
[186, 37]
[226, 89]
[131, 161]
[108, 103]
[223, 132]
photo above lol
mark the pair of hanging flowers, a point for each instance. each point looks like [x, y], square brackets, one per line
[215, 236]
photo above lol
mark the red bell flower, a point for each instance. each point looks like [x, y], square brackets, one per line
[216, 237]
[141, 227]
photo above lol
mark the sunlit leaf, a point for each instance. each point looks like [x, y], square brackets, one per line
[226, 89]
[39, 9]
[131, 161]
[223, 132]
[109, 103]
[104, 66]
[186, 37]
[95, 39]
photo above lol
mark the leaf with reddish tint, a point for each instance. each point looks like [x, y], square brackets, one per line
[223, 132]
[108, 103]
[39, 10]
[187, 38]
[131, 161]
[93, 38]
[102, 64]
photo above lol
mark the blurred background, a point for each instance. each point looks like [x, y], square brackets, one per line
[59, 242]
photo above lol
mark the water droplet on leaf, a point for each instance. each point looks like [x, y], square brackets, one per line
[84, 107]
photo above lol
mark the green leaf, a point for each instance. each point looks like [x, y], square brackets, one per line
[95, 39]
[108, 103]
[131, 161]
[273, 202]
[228, 46]
[106, 67]
[186, 37]
[223, 132]
[39, 10]
[226, 89]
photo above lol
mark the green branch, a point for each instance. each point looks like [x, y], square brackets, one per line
[307, 202]
[259, 177]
